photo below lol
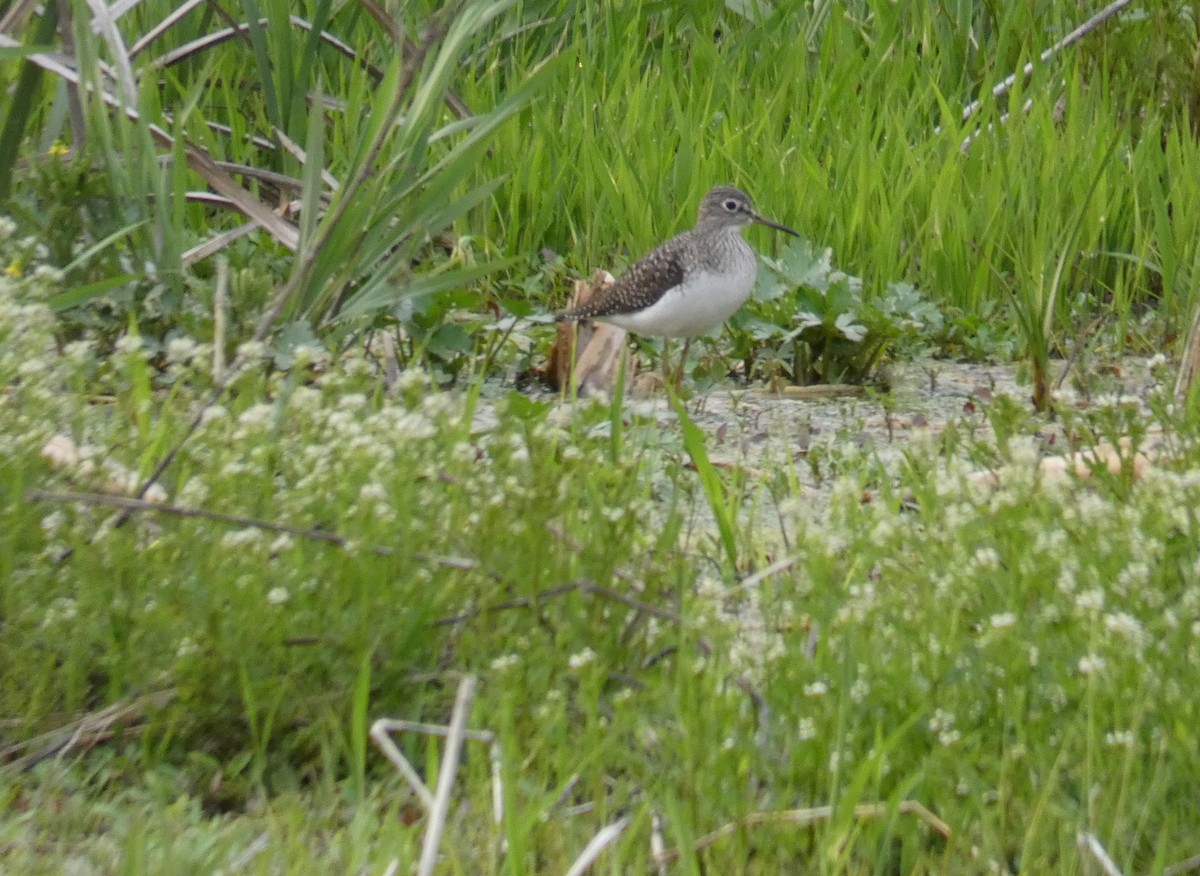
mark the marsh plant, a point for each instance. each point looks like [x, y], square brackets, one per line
[812, 323]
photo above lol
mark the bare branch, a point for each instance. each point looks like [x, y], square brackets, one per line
[446, 776]
[132, 506]
[1070, 39]
[601, 841]
[808, 817]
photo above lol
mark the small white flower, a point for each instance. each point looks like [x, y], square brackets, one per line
[182, 349]
[1133, 576]
[505, 661]
[187, 647]
[32, 367]
[251, 350]
[806, 730]
[61, 609]
[49, 275]
[278, 596]
[942, 723]
[60, 451]
[240, 538]
[1091, 664]
[282, 542]
[1119, 739]
[816, 689]
[1090, 600]
[78, 351]
[987, 558]
[415, 426]
[1002, 621]
[1024, 452]
[1067, 576]
[412, 378]
[307, 354]
[583, 658]
[257, 415]
[154, 494]
[128, 343]
[305, 399]
[213, 414]
[53, 522]
[438, 404]
[120, 481]
[372, 492]
[1124, 625]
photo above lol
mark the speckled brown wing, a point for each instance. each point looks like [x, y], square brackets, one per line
[639, 287]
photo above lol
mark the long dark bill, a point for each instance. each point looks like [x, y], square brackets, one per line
[761, 220]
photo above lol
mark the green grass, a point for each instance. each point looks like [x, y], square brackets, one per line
[599, 128]
[1019, 661]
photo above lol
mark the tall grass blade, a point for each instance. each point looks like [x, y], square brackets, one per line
[22, 107]
[710, 480]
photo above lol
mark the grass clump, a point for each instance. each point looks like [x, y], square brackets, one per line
[811, 324]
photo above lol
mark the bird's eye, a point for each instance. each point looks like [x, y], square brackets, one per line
[731, 205]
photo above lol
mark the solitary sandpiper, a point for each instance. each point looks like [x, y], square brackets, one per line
[692, 283]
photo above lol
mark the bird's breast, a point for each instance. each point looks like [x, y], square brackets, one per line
[705, 299]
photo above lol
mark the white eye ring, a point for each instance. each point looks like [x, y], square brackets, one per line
[731, 205]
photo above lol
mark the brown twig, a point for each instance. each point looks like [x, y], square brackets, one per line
[523, 602]
[577, 547]
[131, 506]
[587, 586]
[87, 730]
[1187, 865]
[457, 105]
[807, 817]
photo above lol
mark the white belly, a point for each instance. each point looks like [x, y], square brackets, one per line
[692, 308]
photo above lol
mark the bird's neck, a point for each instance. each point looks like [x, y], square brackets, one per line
[715, 226]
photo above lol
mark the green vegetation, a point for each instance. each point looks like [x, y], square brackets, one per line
[812, 322]
[661, 638]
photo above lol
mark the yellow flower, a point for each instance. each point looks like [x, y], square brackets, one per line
[59, 149]
[14, 269]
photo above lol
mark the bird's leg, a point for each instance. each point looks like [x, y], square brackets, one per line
[666, 362]
[687, 344]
